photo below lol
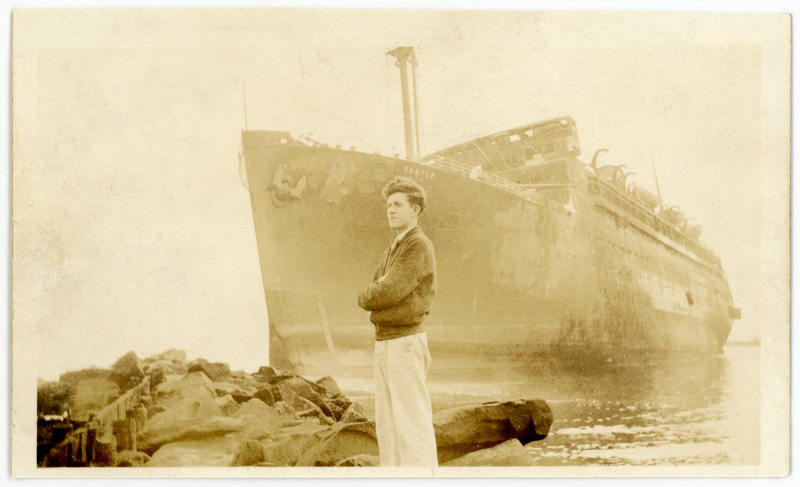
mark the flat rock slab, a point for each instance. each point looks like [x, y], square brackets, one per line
[151, 438]
[211, 452]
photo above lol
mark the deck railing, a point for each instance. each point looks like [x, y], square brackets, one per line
[482, 176]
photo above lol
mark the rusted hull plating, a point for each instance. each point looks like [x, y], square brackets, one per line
[520, 279]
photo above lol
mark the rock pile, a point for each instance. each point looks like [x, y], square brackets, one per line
[200, 413]
[206, 415]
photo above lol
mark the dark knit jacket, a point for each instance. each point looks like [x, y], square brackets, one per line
[400, 301]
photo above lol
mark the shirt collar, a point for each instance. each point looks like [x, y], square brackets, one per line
[404, 233]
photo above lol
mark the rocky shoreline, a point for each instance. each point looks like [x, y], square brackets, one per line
[197, 413]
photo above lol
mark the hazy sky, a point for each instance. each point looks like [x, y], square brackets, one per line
[133, 230]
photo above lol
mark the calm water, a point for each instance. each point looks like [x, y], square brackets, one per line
[698, 412]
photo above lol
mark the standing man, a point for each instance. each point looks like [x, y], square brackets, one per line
[399, 298]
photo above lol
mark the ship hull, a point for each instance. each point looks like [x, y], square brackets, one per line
[520, 280]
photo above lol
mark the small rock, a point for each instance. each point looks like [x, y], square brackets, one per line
[265, 394]
[250, 452]
[337, 411]
[360, 461]
[313, 411]
[284, 409]
[295, 389]
[341, 402]
[343, 441]
[242, 396]
[105, 452]
[268, 372]
[224, 388]
[510, 453]
[215, 371]
[354, 414]
[329, 385]
[130, 458]
[227, 404]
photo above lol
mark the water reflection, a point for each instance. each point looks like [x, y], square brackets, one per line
[679, 412]
[690, 412]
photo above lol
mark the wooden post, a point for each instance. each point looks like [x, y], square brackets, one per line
[91, 436]
[122, 434]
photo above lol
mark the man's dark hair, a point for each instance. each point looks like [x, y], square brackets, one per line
[412, 189]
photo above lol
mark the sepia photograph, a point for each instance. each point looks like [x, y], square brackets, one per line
[288, 242]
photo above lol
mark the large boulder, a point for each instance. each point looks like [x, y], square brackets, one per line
[267, 374]
[152, 437]
[510, 453]
[466, 429]
[259, 420]
[344, 440]
[171, 355]
[188, 404]
[215, 371]
[285, 448]
[269, 394]
[217, 451]
[127, 371]
[164, 367]
[185, 385]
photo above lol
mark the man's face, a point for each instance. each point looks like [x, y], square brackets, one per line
[400, 212]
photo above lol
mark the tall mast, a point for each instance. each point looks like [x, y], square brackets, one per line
[405, 56]
[656, 176]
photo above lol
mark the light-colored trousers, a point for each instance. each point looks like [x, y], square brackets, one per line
[403, 415]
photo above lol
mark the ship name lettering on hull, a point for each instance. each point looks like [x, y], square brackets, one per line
[419, 172]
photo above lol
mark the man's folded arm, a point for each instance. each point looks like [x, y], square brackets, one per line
[399, 282]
